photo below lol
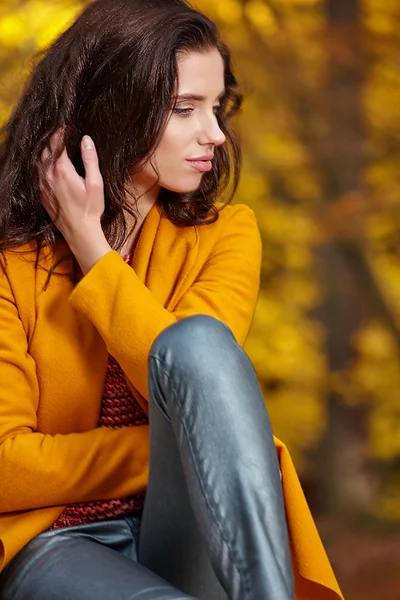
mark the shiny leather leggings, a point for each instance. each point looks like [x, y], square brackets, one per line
[213, 525]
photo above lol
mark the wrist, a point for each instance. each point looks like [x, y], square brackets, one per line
[89, 245]
[74, 234]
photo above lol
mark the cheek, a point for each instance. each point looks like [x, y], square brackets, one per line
[173, 143]
[177, 144]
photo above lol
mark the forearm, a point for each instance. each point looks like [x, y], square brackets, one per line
[40, 470]
[124, 312]
[88, 245]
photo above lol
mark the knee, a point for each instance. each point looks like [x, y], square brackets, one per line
[189, 338]
[201, 353]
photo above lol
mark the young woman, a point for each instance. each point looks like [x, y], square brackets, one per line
[136, 455]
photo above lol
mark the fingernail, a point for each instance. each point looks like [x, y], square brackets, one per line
[87, 143]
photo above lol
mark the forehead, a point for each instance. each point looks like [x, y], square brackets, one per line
[201, 73]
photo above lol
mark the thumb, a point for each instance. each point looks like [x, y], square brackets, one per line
[91, 162]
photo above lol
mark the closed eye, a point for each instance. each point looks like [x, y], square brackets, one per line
[185, 112]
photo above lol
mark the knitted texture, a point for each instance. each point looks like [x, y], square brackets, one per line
[118, 409]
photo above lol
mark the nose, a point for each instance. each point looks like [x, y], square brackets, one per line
[211, 133]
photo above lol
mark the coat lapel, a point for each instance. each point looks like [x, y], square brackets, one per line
[164, 257]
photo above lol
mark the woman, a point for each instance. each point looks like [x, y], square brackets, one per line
[128, 289]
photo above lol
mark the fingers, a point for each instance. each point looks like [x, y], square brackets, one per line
[91, 163]
[66, 196]
[53, 174]
[63, 169]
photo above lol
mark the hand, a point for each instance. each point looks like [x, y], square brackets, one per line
[74, 204]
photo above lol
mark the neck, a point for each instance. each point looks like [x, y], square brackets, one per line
[144, 204]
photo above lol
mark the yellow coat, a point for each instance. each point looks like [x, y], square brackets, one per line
[54, 347]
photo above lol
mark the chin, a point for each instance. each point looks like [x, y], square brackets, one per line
[183, 189]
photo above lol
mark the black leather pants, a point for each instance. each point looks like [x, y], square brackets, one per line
[213, 525]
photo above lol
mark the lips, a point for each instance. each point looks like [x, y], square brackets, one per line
[202, 164]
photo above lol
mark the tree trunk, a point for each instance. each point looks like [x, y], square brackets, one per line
[346, 485]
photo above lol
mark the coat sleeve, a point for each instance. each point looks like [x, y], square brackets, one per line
[129, 318]
[38, 470]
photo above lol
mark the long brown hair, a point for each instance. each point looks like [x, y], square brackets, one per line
[111, 75]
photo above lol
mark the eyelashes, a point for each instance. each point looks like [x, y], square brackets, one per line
[186, 112]
[183, 112]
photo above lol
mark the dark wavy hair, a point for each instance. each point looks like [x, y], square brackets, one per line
[111, 75]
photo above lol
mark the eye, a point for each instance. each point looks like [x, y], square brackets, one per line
[186, 112]
[183, 112]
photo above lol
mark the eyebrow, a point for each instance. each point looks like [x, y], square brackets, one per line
[196, 97]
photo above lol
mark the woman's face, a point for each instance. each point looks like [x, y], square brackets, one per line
[192, 133]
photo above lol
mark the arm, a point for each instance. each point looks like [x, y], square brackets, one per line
[39, 470]
[129, 318]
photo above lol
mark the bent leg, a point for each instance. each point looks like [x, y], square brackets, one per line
[61, 567]
[214, 488]
[170, 542]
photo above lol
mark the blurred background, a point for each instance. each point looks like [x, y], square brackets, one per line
[321, 137]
